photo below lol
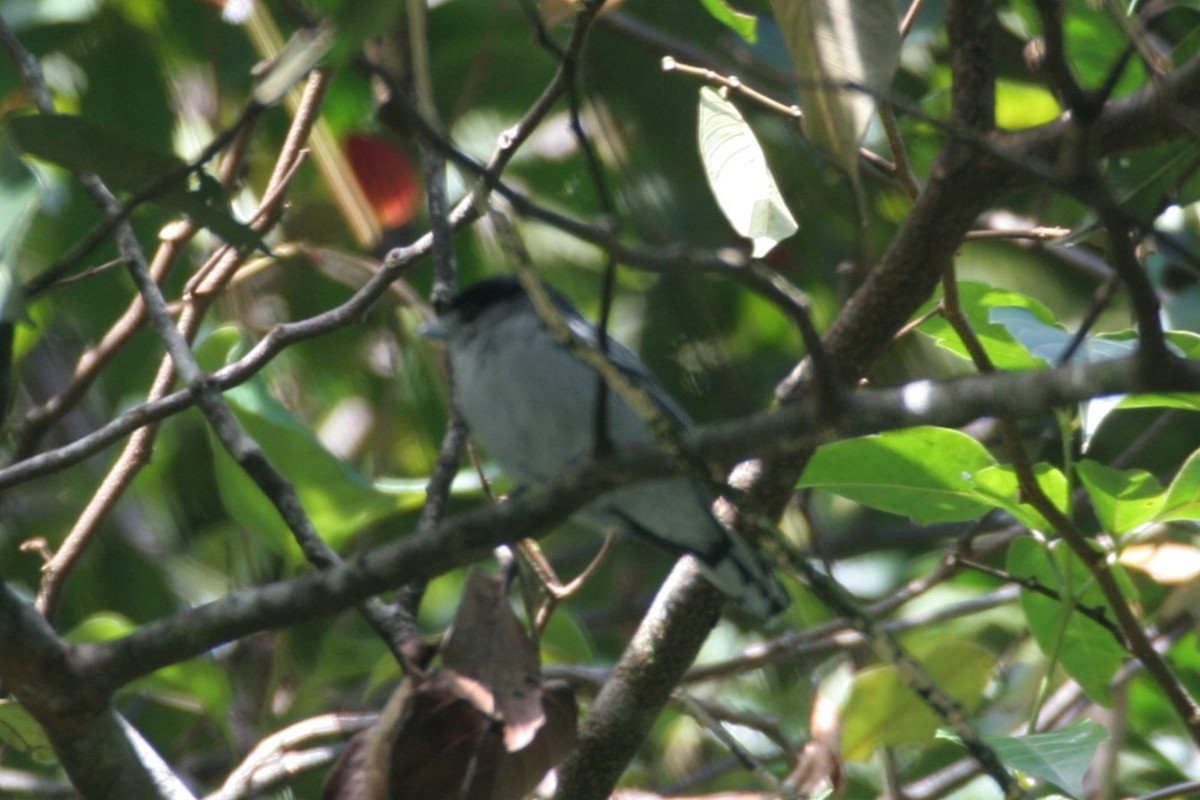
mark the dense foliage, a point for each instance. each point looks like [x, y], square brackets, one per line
[942, 329]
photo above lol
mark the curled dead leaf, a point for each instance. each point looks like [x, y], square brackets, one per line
[482, 727]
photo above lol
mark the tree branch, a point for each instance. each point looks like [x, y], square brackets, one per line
[467, 537]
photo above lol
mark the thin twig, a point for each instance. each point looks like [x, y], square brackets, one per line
[93, 360]
[464, 537]
[272, 749]
[202, 288]
[1037, 233]
[1097, 614]
[792, 111]
[1132, 631]
[733, 83]
[1101, 299]
[246, 120]
[793, 301]
[910, 16]
[704, 714]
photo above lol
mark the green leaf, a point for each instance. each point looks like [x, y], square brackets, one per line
[1184, 402]
[883, 710]
[739, 176]
[925, 473]
[1049, 342]
[1183, 495]
[1085, 648]
[20, 198]
[79, 145]
[999, 486]
[1141, 180]
[566, 640]
[1004, 348]
[1024, 105]
[744, 25]
[125, 164]
[104, 626]
[1060, 757]
[21, 731]
[1092, 33]
[1124, 500]
[338, 499]
[204, 682]
[834, 43]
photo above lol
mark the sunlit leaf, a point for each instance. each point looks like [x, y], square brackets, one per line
[884, 710]
[739, 176]
[745, 25]
[1085, 648]
[978, 302]
[101, 627]
[1000, 486]
[1186, 344]
[1059, 757]
[1166, 562]
[925, 473]
[1049, 342]
[1183, 495]
[1124, 500]
[836, 45]
[1024, 105]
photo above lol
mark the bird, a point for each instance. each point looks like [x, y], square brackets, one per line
[530, 401]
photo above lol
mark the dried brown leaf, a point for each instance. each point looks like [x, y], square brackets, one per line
[521, 771]
[820, 767]
[494, 661]
[480, 728]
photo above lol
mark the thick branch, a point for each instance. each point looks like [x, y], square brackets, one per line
[896, 287]
[684, 613]
[468, 537]
[971, 174]
[90, 740]
[972, 28]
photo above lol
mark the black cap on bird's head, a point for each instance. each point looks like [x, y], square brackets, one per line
[482, 295]
[472, 302]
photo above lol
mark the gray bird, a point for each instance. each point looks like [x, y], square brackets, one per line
[530, 402]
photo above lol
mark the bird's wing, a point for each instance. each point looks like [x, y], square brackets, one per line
[627, 363]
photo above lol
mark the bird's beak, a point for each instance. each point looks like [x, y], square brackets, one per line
[435, 330]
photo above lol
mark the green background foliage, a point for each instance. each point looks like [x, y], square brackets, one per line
[354, 418]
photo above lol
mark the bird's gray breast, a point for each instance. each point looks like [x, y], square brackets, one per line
[530, 402]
